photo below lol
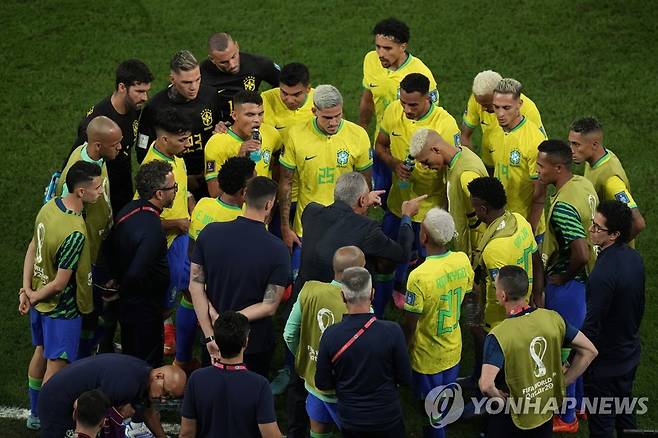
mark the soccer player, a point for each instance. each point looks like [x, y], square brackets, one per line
[232, 179]
[173, 131]
[462, 166]
[319, 151]
[132, 84]
[514, 154]
[566, 251]
[525, 350]
[228, 70]
[197, 102]
[602, 167]
[401, 120]
[318, 306]
[383, 70]
[227, 399]
[56, 279]
[103, 146]
[480, 112]
[435, 291]
[247, 137]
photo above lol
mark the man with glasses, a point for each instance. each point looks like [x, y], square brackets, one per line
[131, 385]
[615, 306]
[173, 130]
[228, 70]
[566, 252]
[137, 252]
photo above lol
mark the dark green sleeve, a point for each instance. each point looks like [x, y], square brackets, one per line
[69, 251]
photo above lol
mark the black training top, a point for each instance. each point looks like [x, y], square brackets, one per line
[240, 258]
[228, 402]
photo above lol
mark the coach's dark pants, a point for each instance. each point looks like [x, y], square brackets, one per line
[143, 337]
[604, 425]
[502, 426]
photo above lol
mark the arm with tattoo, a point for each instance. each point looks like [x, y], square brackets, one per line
[267, 307]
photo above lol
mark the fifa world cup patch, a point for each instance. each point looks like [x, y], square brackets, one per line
[410, 298]
[493, 273]
[622, 197]
[210, 166]
[515, 157]
[342, 157]
[458, 139]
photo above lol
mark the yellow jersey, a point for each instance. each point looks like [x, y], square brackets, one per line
[209, 210]
[384, 83]
[423, 181]
[179, 209]
[515, 158]
[517, 250]
[435, 291]
[221, 147]
[475, 115]
[319, 159]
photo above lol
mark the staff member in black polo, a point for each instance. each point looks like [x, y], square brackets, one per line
[615, 306]
[241, 266]
[137, 254]
[364, 359]
[226, 399]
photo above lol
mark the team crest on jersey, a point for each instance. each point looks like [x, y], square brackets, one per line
[515, 157]
[210, 166]
[135, 127]
[267, 155]
[206, 117]
[91, 110]
[249, 83]
[342, 157]
[622, 197]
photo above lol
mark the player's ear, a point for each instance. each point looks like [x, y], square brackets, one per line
[122, 87]
[315, 111]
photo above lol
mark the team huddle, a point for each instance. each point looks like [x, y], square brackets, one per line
[249, 206]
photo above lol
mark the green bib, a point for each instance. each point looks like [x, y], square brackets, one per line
[532, 348]
[580, 194]
[98, 216]
[459, 204]
[52, 227]
[321, 305]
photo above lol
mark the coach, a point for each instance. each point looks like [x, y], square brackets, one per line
[129, 383]
[615, 306]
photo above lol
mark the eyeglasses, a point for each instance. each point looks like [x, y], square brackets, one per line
[597, 228]
[174, 187]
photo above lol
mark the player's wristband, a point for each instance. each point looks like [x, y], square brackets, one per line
[209, 339]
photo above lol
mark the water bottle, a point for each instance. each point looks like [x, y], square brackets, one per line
[408, 164]
[255, 156]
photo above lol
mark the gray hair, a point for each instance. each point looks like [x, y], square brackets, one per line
[356, 285]
[485, 82]
[439, 226]
[509, 86]
[418, 141]
[327, 96]
[350, 187]
[183, 60]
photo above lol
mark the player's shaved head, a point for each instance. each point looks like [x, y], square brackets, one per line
[219, 42]
[557, 151]
[348, 257]
[588, 126]
[101, 128]
[485, 82]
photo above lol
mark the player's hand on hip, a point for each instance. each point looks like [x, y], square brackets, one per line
[411, 207]
[289, 237]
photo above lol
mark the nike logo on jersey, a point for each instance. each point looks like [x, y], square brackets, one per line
[395, 134]
[483, 123]
[373, 85]
[309, 158]
[279, 127]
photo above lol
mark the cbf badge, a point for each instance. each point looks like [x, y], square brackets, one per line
[342, 157]
[206, 117]
[249, 83]
[515, 157]
[267, 155]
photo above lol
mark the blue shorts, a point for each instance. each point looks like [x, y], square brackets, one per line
[179, 269]
[59, 337]
[391, 227]
[321, 411]
[382, 176]
[422, 384]
[568, 300]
